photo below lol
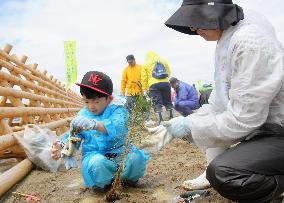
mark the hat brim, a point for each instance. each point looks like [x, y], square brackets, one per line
[93, 88]
[204, 16]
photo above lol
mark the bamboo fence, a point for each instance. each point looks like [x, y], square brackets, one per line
[28, 96]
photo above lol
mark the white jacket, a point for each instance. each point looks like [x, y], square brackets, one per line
[249, 90]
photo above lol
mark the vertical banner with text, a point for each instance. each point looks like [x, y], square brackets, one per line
[70, 62]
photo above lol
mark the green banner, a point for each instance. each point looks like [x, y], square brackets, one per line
[70, 62]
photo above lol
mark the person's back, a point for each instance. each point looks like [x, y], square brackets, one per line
[186, 97]
[188, 93]
[255, 32]
[252, 35]
[147, 69]
[155, 79]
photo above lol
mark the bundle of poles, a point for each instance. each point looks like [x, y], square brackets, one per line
[29, 96]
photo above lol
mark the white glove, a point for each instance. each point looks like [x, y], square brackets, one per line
[83, 123]
[163, 134]
[179, 127]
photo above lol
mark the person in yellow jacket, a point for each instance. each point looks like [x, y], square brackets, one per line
[155, 79]
[131, 81]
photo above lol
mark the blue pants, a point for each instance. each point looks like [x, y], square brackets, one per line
[185, 110]
[99, 171]
[160, 94]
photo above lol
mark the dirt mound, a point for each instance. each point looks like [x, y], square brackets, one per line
[165, 170]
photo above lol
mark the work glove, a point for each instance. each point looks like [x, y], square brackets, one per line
[178, 127]
[81, 122]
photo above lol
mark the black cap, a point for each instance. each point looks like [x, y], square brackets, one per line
[97, 81]
[205, 14]
[173, 80]
[130, 57]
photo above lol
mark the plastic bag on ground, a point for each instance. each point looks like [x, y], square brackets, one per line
[37, 143]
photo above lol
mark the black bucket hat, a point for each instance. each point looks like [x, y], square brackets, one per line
[205, 14]
[97, 81]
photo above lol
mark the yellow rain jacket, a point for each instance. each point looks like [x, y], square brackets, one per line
[146, 73]
[130, 81]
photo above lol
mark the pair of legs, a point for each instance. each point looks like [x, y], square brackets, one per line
[160, 94]
[99, 171]
[141, 100]
[252, 171]
[130, 100]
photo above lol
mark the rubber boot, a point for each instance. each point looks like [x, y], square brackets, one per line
[170, 113]
[159, 117]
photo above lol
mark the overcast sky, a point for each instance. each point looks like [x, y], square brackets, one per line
[107, 31]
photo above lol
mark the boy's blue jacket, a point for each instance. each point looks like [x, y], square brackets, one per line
[115, 118]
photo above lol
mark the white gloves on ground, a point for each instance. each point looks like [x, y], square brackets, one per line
[161, 135]
[83, 123]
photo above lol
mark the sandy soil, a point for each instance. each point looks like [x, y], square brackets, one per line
[166, 170]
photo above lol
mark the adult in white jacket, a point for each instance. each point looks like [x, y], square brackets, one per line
[246, 107]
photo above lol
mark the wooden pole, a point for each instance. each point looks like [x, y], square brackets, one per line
[24, 66]
[21, 82]
[34, 97]
[7, 91]
[14, 175]
[10, 112]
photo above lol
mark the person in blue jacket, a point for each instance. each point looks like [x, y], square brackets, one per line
[104, 136]
[186, 97]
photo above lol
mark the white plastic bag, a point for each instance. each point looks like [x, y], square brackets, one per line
[37, 143]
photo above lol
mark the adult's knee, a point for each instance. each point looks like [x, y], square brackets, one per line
[239, 184]
[214, 174]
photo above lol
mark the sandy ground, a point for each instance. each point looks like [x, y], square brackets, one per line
[165, 170]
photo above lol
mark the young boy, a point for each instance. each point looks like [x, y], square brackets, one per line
[103, 143]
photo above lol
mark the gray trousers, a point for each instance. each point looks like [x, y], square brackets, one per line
[252, 171]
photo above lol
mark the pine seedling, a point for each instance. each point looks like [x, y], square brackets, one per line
[138, 114]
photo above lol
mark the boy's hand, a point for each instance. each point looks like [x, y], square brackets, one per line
[56, 151]
[82, 122]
